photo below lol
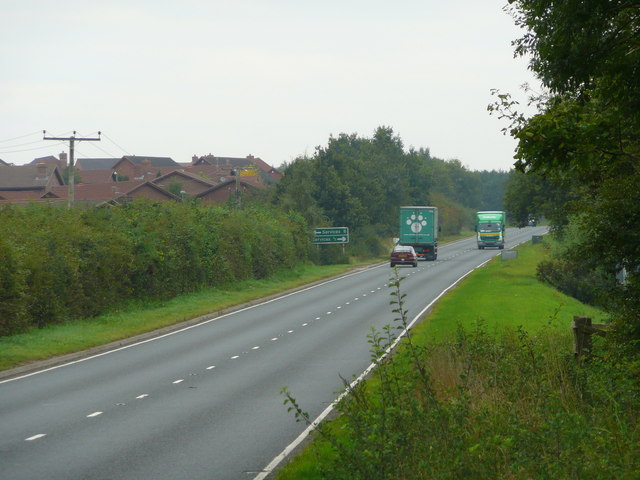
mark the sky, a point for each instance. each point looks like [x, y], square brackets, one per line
[273, 78]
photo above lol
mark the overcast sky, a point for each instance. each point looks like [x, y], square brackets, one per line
[271, 78]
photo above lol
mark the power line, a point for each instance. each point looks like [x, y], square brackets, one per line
[19, 137]
[85, 154]
[27, 149]
[112, 141]
[22, 144]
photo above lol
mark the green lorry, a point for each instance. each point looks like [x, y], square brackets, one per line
[490, 228]
[419, 229]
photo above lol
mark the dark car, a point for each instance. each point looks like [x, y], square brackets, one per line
[404, 255]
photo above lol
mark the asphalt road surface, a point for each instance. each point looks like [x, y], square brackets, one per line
[205, 402]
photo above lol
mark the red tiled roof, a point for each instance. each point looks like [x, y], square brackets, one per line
[97, 191]
[95, 176]
[29, 177]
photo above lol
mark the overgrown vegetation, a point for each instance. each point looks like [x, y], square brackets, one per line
[482, 401]
[60, 264]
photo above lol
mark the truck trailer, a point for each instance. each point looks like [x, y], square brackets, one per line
[490, 229]
[419, 229]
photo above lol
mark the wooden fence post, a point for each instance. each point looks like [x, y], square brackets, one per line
[583, 328]
[581, 335]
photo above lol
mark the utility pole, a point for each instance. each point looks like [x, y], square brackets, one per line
[72, 139]
[237, 174]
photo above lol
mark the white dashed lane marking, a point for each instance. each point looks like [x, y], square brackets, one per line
[211, 367]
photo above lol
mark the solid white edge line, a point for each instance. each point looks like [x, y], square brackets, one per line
[289, 448]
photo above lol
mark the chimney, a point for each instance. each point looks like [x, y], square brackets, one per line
[63, 159]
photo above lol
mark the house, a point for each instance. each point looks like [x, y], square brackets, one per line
[109, 181]
[3, 163]
[215, 174]
[52, 161]
[226, 190]
[96, 176]
[148, 190]
[144, 168]
[85, 164]
[92, 193]
[26, 182]
[188, 183]
[267, 172]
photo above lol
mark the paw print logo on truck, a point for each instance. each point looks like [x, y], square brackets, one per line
[416, 223]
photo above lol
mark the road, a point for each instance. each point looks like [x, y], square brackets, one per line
[205, 402]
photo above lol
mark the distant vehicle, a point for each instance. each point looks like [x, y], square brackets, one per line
[419, 229]
[490, 228]
[404, 255]
[532, 222]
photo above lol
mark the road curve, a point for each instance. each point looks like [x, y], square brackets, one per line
[204, 402]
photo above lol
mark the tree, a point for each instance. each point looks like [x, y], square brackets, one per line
[175, 187]
[586, 136]
[533, 195]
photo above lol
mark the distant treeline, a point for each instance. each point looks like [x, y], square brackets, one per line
[360, 182]
[58, 264]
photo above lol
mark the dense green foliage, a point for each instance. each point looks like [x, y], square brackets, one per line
[58, 264]
[361, 182]
[585, 140]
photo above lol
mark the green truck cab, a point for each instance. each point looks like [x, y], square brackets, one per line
[419, 229]
[490, 229]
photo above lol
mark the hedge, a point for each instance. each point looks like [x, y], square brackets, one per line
[58, 264]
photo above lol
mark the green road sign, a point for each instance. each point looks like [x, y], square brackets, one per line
[331, 235]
